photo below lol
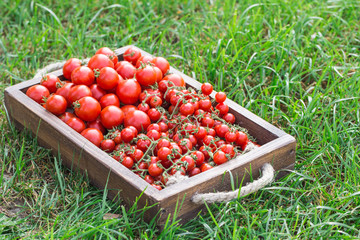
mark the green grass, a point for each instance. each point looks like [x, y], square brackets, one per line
[294, 63]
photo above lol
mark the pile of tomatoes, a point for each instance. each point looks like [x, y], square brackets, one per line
[143, 115]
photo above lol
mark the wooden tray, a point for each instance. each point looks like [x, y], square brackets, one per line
[278, 148]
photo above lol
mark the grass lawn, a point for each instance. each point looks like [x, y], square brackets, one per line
[293, 63]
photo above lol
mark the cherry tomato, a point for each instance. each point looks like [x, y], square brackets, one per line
[220, 97]
[128, 91]
[50, 81]
[137, 119]
[132, 54]
[189, 162]
[77, 92]
[128, 108]
[187, 109]
[221, 130]
[199, 158]
[108, 78]
[109, 53]
[93, 135]
[69, 66]
[109, 99]
[205, 166]
[99, 61]
[223, 108]
[155, 101]
[206, 88]
[38, 93]
[111, 116]
[128, 162]
[220, 157]
[205, 104]
[82, 76]
[146, 76]
[242, 140]
[127, 135]
[162, 64]
[87, 108]
[107, 145]
[77, 124]
[176, 79]
[229, 117]
[194, 171]
[154, 114]
[56, 104]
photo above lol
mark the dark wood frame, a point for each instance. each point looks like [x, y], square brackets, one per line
[278, 148]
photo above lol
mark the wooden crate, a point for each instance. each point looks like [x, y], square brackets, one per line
[278, 148]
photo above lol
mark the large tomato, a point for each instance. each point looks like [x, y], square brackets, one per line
[137, 119]
[126, 70]
[82, 75]
[93, 135]
[108, 78]
[146, 76]
[38, 93]
[132, 54]
[98, 61]
[87, 109]
[128, 91]
[50, 81]
[176, 79]
[111, 116]
[77, 92]
[108, 52]
[69, 66]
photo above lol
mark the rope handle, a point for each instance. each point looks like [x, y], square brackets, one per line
[266, 178]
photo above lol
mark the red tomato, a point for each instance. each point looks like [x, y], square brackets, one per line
[205, 104]
[109, 99]
[128, 91]
[111, 116]
[143, 60]
[97, 124]
[64, 91]
[198, 157]
[137, 119]
[159, 74]
[108, 78]
[132, 54]
[38, 93]
[50, 81]
[220, 157]
[77, 124]
[143, 144]
[146, 76]
[163, 153]
[162, 64]
[87, 108]
[228, 149]
[143, 107]
[82, 76]
[66, 116]
[128, 108]
[242, 140]
[77, 92]
[127, 135]
[69, 66]
[187, 109]
[56, 104]
[126, 70]
[221, 130]
[107, 145]
[176, 79]
[155, 101]
[108, 52]
[223, 108]
[189, 162]
[229, 117]
[93, 135]
[194, 172]
[230, 137]
[205, 166]
[98, 61]
[97, 92]
[206, 88]
[128, 162]
[220, 97]
[154, 114]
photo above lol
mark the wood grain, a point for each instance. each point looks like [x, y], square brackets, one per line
[278, 148]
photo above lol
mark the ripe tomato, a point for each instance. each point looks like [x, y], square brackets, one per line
[223, 108]
[146, 76]
[187, 109]
[128, 108]
[64, 91]
[230, 137]
[207, 122]
[137, 119]
[132, 54]
[108, 78]
[127, 135]
[108, 52]
[200, 133]
[66, 116]
[77, 92]
[143, 60]
[107, 145]
[159, 74]
[155, 101]
[109, 99]
[198, 157]
[87, 108]
[188, 162]
[228, 149]
[155, 170]
[77, 124]
[111, 116]
[205, 104]
[143, 144]
[220, 97]
[221, 130]
[153, 135]
[149, 179]
[128, 91]
[162, 64]
[98, 61]
[206, 88]
[97, 92]
[69, 66]
[229, 117]
[93, 135]
[205, 166]
[126, 70]
[176, 79]
[38, 93]
[56, 104]
[242, 140]
[143, 107]
[220, 157]
[97, 124]
[50, 81]
[194, 172]
[154, 114]
[163, 153]
[82, 75]
[128, 162]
